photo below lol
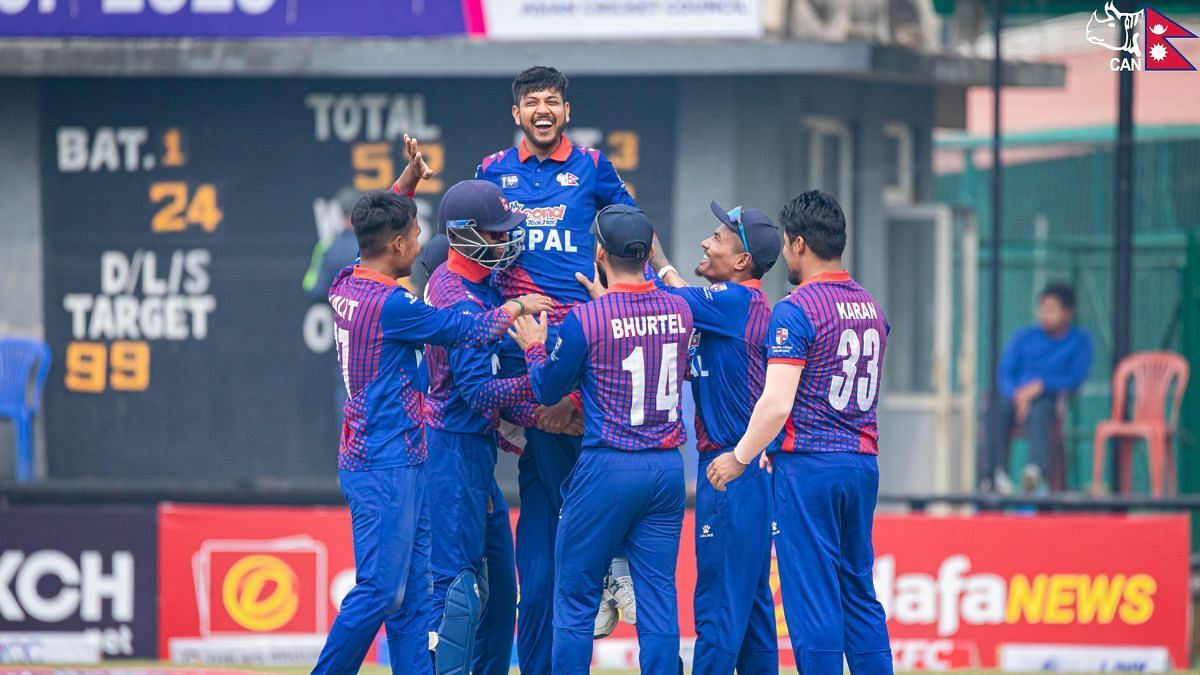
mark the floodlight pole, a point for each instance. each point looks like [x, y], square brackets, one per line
[1122, 227]
[995, 417]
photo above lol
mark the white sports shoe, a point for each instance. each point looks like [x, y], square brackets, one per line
[621, 589]
[606, 618]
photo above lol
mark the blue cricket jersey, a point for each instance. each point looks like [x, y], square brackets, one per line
[728, 358]
[833, 328]
[627, 349]
[559, 197]
[381, 329]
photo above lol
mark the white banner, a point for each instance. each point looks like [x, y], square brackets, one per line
[1030, 658]
[622, 19]
[43, 647]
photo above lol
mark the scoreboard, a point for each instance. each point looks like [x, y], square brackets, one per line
[180, 217]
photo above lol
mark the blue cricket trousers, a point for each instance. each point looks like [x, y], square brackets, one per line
[459, 486]
[735, 612]
[824, 507]
[494, 639]
[390, 520]
[541, 472]
[613, 501]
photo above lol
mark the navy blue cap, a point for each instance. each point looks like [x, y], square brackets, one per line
[480, 202]
[624, 231]
[758, 233]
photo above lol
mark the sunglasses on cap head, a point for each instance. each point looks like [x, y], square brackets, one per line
[735, 215]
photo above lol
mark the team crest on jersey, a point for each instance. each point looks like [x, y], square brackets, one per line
[568, 179]
[719, 286]
[781, 336]
[508, 181]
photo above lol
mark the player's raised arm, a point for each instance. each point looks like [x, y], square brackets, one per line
[553, 376]
[415, 171]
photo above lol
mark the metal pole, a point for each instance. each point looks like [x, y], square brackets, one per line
[997, 226]
[1122, 228]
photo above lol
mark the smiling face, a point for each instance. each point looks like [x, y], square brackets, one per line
[542, 115]
[725, 259]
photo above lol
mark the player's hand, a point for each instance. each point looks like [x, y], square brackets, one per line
[416, 170]
[535, 303]
[527, 330]
[724, 469]
[593, 286]
[764, 462]
[575, 428]
[556, 418]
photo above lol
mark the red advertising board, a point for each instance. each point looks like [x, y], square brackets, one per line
[1082, 593]
[250, 584]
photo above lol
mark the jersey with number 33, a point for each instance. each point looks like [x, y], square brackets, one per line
[834, 329]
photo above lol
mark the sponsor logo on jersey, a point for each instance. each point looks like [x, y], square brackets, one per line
[508, 181]
[781, 335]
[542, 216]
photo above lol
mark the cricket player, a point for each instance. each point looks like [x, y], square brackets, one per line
[380, 331]
[462, 408]
[734, 607]
[627, 350]
[559, 187]
[825, 349]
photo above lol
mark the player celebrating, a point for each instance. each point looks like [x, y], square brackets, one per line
[462, 407]
[559, 187]
[825, 350]
[380, 330]
[627, 490]
[735, 612]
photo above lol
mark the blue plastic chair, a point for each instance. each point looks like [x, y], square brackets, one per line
[18, 359]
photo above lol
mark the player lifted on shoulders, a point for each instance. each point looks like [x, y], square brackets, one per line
[380, 330]
[559, 187]
[627, 490]
[825, 348]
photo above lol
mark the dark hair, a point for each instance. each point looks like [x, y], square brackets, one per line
[378, 216]
[816, 216]
[1062, 291]
[538, 78]
[627, 265]
[756, 272]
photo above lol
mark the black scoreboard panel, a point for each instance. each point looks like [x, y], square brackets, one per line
[180, 217]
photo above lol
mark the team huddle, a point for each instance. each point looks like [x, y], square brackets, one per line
[557, 329]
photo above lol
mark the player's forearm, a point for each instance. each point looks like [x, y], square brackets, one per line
[488, 327]
[770, 413]
[523, 414]
[493, 395]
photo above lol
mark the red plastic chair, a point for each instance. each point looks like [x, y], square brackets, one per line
[1152, 374]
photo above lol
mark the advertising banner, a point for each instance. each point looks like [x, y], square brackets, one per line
[1018, 593]
[622, 19]
[77, 583]
[251, 585]
[230, 18]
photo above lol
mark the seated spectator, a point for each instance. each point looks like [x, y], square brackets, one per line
[1041, 363]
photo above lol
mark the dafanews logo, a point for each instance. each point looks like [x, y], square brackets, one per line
[259, 592]
[956, 597]
[1142, 39]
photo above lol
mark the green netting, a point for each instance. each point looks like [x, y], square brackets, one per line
[1058, 190]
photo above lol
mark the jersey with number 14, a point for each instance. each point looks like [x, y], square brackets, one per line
[834, 329]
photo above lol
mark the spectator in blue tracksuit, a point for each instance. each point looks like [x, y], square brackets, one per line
[559, 187]
[627, 351]
[1041, 363]
[734, 608]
